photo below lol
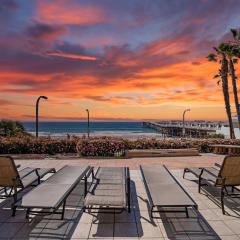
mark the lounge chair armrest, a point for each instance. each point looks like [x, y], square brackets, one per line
[217, 165]
[209, 172]
[30, 172]
[220, 181]
[90, 171]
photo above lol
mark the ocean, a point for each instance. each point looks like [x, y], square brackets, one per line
[120, 129]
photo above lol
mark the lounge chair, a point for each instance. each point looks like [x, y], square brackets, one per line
[12, 181]
[47, 197]
[228, 175]
[165, 194]
[109, 191]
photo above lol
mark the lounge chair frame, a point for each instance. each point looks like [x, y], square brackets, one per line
[109, 209]
[153, 206]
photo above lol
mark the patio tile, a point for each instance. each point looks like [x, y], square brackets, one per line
[234, 225]
[125, 217]
[78, 231]
[8, 230]
[103, 218]
[101, 230]
[231, 237]
[82, 217]
[55, 229]
[30, 230]
[172, 229]
[143, 216]
[221, 228]
[125, 230]
[209, 214]
[149, 230]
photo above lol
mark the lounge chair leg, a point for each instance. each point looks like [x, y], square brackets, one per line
[200, 181]
[222, 201]
[184, 171]
[13, 205]
[63, 210]
[14, 211]
[85, 186]
[27, 213]
[152, 211]
[129, 194]
[186, 209]
[199, 185]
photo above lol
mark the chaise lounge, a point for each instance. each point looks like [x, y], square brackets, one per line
[228, 175]
[165, 194]
[12, 181]
[109, 191]
[50, 195]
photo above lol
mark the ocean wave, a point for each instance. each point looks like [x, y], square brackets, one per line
[127, 134]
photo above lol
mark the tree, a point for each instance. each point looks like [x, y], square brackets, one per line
[11, 128]
[220, 56]
[232, 53]
[233, 49]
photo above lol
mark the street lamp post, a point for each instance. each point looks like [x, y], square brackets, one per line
[88, 125]
[37, 107]
[183, 122]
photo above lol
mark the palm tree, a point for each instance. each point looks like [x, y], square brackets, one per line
[232, 53]
[223, 74]
[233, 49]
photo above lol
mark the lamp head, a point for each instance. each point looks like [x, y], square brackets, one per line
[44, 97]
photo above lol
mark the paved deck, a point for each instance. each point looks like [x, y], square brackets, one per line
[207, 223]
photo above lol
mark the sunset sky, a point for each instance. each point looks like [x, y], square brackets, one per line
[128, 59]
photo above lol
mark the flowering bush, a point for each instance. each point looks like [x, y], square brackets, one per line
[30, 145]
[106, 147]
[100, 146]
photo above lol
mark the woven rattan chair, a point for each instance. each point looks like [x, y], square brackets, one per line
[13, 181]
[228, 176]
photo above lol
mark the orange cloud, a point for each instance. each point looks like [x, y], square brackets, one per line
[64, 13]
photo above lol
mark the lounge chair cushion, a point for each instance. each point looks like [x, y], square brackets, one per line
[107, 201]
[169, 195]
[55, 189]
[108, 188]
[163, 189]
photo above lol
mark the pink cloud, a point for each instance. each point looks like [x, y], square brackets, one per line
[64, 13]
[72, 56]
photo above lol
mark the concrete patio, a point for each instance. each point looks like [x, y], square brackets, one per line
[206, 223]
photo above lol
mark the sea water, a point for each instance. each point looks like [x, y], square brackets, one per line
[121, 129]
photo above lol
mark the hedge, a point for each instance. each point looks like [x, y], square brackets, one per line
[100, 146]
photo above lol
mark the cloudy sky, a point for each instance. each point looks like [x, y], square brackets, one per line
[128, 59]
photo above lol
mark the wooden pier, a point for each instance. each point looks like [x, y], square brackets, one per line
[194, 129]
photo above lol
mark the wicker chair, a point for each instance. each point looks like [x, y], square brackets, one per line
[228, 176]
[13, 181]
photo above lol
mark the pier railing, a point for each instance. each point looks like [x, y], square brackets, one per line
[175, 128]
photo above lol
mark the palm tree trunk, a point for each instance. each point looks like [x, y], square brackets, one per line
[235, 90]
[224, 76]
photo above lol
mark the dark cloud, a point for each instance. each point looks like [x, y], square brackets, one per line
[6, 5]
[45, 32]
